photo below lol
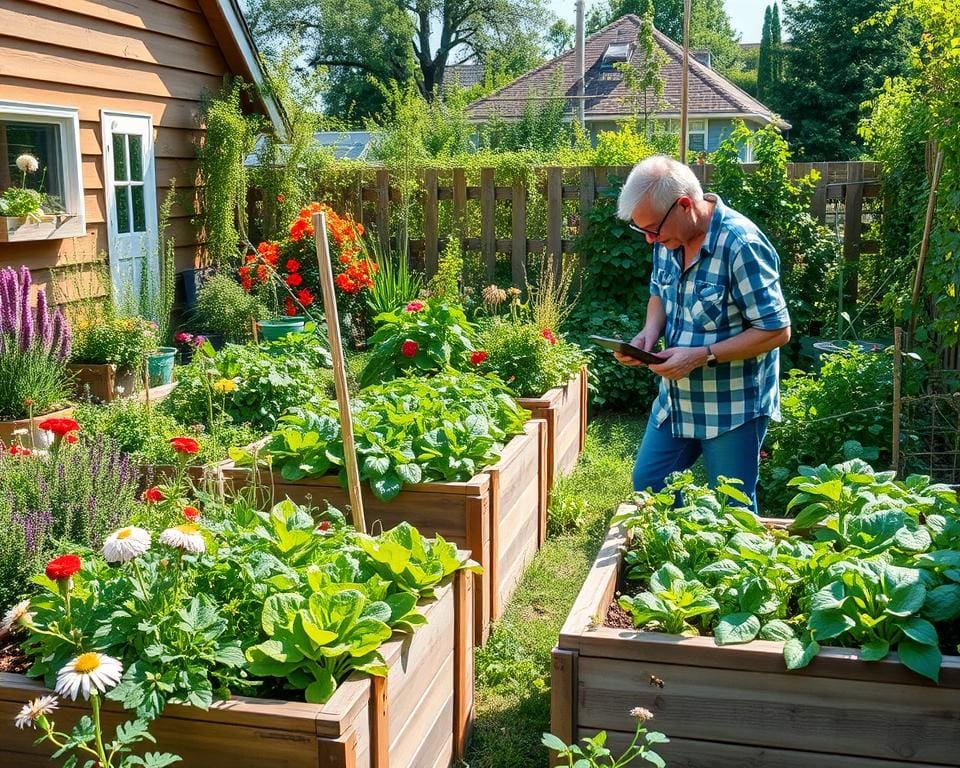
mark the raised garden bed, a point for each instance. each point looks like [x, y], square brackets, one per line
[565, 411]
[499, 514]
[418, 717]
[101, 383]
[41, 438]
[737, 705]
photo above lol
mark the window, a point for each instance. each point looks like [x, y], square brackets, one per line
[52, 136]
[696, 135]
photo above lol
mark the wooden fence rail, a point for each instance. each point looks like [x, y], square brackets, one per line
[491, 218]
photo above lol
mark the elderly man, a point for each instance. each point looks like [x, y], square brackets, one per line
[715, 299]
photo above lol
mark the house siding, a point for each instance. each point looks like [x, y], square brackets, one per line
[140, 56]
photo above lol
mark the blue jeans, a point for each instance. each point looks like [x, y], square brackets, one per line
[733, 454]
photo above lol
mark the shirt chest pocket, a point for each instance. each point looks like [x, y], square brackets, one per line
[707, 305]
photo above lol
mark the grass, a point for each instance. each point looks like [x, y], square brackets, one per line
[513, 670]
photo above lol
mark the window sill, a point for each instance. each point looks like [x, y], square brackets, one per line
[15, 229]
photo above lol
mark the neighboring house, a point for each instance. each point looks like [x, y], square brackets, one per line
[106, 94]
[342, 145]
[714, 103]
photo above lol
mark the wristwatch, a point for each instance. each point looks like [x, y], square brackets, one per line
[711, 358]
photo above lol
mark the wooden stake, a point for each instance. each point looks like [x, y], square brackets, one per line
[897, 363]
[146, 386]
[683, 81]
[339, 369]
[256, 336]
[924, 244]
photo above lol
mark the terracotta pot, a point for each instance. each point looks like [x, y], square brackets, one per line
[41, 438]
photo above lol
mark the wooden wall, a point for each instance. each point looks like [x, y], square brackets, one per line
[146, 56]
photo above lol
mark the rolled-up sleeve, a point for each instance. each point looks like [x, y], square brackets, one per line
[755, 286]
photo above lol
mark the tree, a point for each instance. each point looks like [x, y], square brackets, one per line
[560, 37]
[643, 82]
[836, 62]
[369, 42]
[776, 47]
[764, 69]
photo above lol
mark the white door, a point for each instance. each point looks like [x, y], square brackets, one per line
[130, 187]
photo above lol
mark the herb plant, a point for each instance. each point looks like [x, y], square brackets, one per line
[119, 341]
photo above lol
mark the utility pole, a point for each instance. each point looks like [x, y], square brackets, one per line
[581, 113]
[683, 87]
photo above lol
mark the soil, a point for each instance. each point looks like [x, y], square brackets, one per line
[11, 657]
[617, 618]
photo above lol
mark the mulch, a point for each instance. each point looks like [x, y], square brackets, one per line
[11, 657]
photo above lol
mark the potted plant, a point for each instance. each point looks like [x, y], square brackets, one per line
[24, 210]
[108, 355]
[223, 311]
[34, 349]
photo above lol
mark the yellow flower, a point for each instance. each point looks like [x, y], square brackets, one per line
[222, 386]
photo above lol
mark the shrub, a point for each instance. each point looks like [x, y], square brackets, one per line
[224, 307]
[119, 341]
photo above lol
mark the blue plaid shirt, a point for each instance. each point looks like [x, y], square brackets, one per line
[734, 284]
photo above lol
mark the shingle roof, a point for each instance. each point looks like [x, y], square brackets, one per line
[709, 93]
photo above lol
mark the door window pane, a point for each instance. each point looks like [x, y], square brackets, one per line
[123, 210]
[139, 209]
[136, 157]
[119, 157]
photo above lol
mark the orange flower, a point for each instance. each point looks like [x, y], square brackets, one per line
[263, 273]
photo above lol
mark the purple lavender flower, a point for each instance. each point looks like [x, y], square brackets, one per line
[9, 294]
[23, 309]
[44, 329]
[62, 337]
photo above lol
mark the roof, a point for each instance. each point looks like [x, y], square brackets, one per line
[709, 93]
[240, 51]
[342, 145]
[464, 75]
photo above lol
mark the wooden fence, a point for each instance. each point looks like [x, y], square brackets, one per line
[496, 219]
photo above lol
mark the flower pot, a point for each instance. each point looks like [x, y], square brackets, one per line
[271, 330]
[46, 226]
[160, 365]
[101, 383]
[41, 438]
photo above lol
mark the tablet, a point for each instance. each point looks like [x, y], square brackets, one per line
[628, 349]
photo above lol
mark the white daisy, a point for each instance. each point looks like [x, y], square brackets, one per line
[186, 537]
[32, 710]
[127, 543]
[27, 163]
[19, 614]
[89, 671]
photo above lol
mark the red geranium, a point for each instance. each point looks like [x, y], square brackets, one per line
[548, 335]
[324, 526]
[71, 438]
[153, 495]
[191, 513]
[294, 279]
[59, 427]
[478, 357]
[289, 308]
[414, 306]
[409, 348]
[293, 265]
[305, 297]
[63, 567]
[186, 445]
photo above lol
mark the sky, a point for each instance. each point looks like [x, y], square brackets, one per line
[746, 15]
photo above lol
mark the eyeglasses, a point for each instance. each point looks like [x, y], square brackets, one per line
[655, 233]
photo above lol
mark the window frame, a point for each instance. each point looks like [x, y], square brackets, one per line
[705, 132]
[68, 121]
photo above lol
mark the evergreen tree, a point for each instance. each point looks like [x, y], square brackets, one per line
[776, 49]
[763, 62]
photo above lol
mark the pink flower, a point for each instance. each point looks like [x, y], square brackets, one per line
[183, 337]
[414, 306]
[548, 335]
[409, 348]
[199, 340]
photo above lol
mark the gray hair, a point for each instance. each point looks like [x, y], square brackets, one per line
[659, 179]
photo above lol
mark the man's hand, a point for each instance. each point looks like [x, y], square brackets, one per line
[645, 340]
[681, 360]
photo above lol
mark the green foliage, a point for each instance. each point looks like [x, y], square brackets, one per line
[613, 298]
[842, 412]
[542, 126]
[81, 493]
[228, 138]
[595, 754]
[394, 283]
[407, 431]
[34, 375]
[780, 207]
[422, 338]
[524, 357]
[16, 201]
[445, 284]
[833, 64]
[863, 565]
[120, 341]
[224, 307]
[265, 386]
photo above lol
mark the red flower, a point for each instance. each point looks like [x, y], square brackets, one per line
[71, 438]
[280, 198]
[409, 348]
[191, 513]
[300, 229]
[478, 357]
[263, 273]
[294, 280]
[345, 258]
[59, 427]
[293, 265]
[324, 526]
[186, 445]
[246, 283]
[548, 335]
[305, 297]
[414, 306]
[63, 567]
[16, 449]
[289, 307]
[153, 495]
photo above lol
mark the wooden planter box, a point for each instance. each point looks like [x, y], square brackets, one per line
[499, 514]
[15, 229]
[101, 382]
[418, 717]
[565, 411]
[41, 438]
[737, 706]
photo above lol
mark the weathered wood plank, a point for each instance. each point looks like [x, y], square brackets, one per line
[555, 219]
[430, 221]
[563, 696]
[488, 241]
[518, 220]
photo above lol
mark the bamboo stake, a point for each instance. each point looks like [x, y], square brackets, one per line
[255, 325]
[339, 369]
[683, 83]
[897, 385]
[925, 244]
